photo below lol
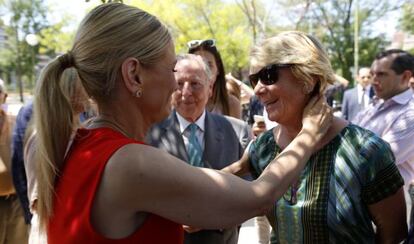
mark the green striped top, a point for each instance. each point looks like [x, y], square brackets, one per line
[329, 202]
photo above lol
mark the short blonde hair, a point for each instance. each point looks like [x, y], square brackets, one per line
[295, 47]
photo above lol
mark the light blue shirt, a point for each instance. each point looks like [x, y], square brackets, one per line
[393, 121]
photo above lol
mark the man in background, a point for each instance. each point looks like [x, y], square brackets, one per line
[201, 138]
[13, 229]
[359, 97]
[391, 116]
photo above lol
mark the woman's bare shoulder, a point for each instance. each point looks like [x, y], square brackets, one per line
[138, 157]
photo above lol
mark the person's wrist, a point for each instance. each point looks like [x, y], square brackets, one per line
[239, 83]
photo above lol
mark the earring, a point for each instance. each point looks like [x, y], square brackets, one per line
[138, 93]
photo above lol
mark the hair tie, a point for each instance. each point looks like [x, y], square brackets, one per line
[67, 60]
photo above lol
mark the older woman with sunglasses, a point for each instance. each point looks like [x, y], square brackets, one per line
[350, 181]
[221, 101]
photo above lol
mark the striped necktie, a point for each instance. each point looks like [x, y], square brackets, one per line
[194, 149]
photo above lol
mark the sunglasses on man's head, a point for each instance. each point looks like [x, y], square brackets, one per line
[267, 75]
[196, 43]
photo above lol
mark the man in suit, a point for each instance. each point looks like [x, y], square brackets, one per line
[358, 98]
[201, 138]
[13, 229]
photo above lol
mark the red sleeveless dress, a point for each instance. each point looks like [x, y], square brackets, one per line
[76, 188]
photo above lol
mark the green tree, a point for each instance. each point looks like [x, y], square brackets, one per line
[108, 1]
[407, 19]
[221, 20]
[333, 22]
[56, 39]
[26, 17]
[259, 18]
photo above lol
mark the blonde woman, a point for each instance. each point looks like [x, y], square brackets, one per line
[110, 187]
[73, 90]
[350, 181]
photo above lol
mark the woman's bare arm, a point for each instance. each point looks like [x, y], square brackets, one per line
[162, 184]
[389, 216]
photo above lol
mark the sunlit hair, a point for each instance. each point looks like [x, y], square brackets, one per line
[200, 60]
[73, 90]
[294, 47]
[220, 95]
[107, 36]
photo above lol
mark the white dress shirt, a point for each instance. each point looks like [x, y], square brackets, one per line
[200, 122]
[393, 121]
[363, 93]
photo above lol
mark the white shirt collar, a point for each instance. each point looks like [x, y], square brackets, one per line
[200, 122]
[403, 97]
[367, 88]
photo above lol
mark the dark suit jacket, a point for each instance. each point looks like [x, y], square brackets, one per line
[224, 141]
[350, 106]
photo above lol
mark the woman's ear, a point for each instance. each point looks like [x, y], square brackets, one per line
[316, 89]
[131, 69]
[307, 88]
[313, 87]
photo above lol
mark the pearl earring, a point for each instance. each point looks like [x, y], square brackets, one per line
[138, 93]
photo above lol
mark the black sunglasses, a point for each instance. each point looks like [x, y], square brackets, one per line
[267, 75]
[196, 43]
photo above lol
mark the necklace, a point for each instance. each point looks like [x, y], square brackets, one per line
[113, 125]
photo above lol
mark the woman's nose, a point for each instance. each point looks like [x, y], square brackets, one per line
[259, 88]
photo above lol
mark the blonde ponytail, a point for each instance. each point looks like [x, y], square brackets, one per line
[54, 124]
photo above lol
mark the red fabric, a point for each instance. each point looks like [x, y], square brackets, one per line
[77, 186]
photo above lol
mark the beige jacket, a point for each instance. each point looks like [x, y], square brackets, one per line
[6, 129]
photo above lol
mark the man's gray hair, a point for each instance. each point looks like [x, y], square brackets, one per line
[197, 58]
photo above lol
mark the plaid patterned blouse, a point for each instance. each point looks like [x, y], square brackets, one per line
[329, 202]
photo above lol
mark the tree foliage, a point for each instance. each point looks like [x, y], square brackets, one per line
[26, 17]
[204, 19]
[107, 1]
[407, 19]
[235, 24]
[53, 40]
[30, 17]
[333, 21]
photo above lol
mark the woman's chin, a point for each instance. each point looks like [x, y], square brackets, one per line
[274, 117]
